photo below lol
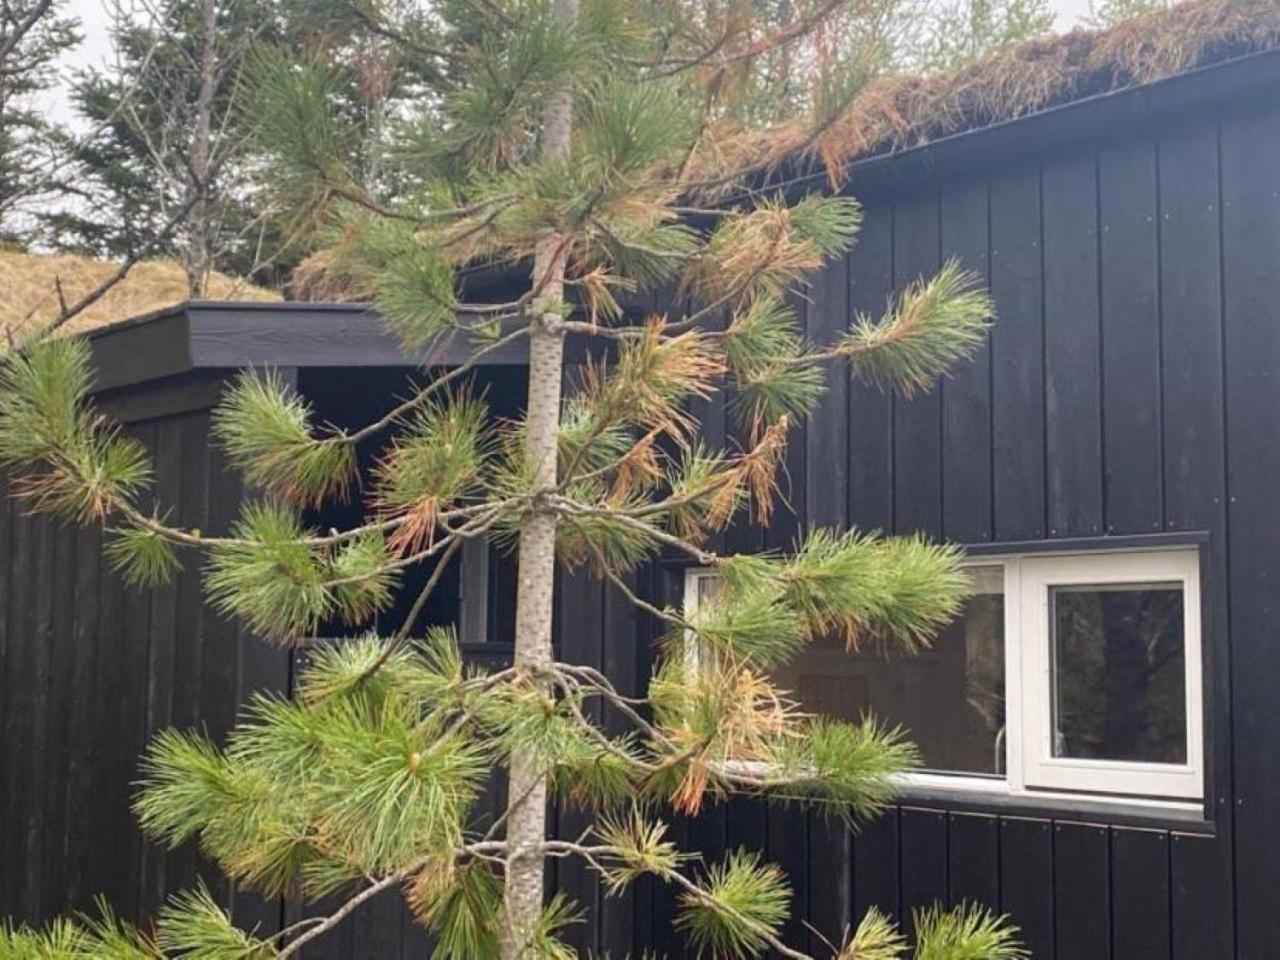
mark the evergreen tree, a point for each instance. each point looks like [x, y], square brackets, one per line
[952, 34]
[33, 34]
[592, 154]
[166, 168]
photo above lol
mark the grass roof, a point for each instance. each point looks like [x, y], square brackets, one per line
[897, 112]
[30, 298]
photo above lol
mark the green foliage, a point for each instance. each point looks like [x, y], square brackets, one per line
[42, 397]
[438, 458]
[267, 576]
[142, 556]
[294, 126]
[545, 943]
[266, 430]
[899, 589]
[877, 938]
[957, 33]
[641, 847]
[848, 768]
[71, 462]
[744, 898]
[765, 351]
[749, 618]
[934, 325]
[967, 933]
[192, 925]
[415, 296]
[462, 907]
[355, 779]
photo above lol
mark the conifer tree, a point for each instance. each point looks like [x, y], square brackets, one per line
[588, 152]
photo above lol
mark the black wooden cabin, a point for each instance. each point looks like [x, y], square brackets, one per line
[1128, 407]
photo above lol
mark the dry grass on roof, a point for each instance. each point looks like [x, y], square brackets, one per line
[894, 113]
[29, 298]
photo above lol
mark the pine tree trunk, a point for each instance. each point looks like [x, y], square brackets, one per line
[527, 786]
[197, 252]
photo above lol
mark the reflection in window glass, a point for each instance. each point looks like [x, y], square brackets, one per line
[1119, 676]
[949, 698]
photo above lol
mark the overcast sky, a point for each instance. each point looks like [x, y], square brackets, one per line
[96, 47]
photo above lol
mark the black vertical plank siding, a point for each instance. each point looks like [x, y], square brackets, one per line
[130, 728]
[827, 435]
[17, 706]
[830, 879]
[1026, 881]
[966, 396]
[1082, 891]
[1017, 357]
[876, 867]
[579, 635]
[192, 511]
[1140, 885]
[1251, 297]
[870, 426]
[162, 650]
[34, 737]
[11, 591]
[82, 679]
[973, 859]
[1201, 903]
[923, 859]
[61, 698]
[104, 736]
[621, 635]
[788, 846]
[1073, 415]
[917, 420]
[1129, 206]
[1195, 482]
[1191, 330]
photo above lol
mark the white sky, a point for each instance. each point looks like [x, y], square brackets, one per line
[96, 47]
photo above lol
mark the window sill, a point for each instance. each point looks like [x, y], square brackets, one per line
[1120, 811]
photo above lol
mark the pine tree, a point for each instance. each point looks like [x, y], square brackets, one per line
[591, 153]
[33, 34]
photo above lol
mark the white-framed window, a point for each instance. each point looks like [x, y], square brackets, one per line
[1065, 674]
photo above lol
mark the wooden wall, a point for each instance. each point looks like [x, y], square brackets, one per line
[1131, 386]
[91, 669]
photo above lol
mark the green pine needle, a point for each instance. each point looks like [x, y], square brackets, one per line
[143, 557]
[266, 430]
[877, 938]
[415, 297]
[968, 932]
[849, 768]
[270, 580]
[193, 926]
[934, 325]
[464, 912]
[68, 461]
[741, 897]
[364, 581]
[439, 457]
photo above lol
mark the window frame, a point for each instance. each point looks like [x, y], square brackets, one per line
[1031, 773]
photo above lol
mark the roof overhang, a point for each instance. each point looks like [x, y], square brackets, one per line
[203, 336]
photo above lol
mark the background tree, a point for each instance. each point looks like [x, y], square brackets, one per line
[33, 33]
[571, 158]
[951, 34]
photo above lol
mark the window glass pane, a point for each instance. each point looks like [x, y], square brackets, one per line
[1119, 672]
[949, 698]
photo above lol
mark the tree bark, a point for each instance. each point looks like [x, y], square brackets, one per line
[527, 786]
[197, 252]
